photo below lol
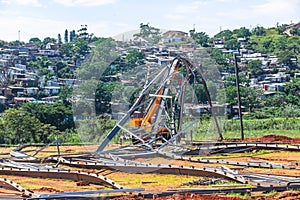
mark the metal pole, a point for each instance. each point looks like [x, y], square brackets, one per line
[238, 95]
[57, 146]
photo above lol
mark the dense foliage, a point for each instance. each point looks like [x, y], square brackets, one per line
[98, 66]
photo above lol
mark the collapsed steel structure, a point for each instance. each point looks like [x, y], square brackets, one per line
[151, 124]
[156, 117]
[22, 164]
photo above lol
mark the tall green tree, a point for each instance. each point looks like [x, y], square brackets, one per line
[66, 38]
[149, 33]
[59, 39]
[72, 35]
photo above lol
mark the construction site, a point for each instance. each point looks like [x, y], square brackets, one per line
[157, 157]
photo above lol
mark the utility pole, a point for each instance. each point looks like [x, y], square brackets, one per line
[19, 35]
[238, 95]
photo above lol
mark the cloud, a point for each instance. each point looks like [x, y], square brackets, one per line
[74, 3]
[276, 7]
[33, 3]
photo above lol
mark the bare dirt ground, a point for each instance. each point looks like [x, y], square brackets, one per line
[157, 183]
[272, 138]
[276, 156]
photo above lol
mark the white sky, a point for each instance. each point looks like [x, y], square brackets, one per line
[42, 18]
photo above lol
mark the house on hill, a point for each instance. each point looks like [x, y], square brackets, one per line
[289, 28]
[174, 36]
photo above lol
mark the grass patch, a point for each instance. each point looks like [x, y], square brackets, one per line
[205, 129]
[240, 195]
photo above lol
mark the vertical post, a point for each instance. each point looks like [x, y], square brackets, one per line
[57, 146]
[238, 95]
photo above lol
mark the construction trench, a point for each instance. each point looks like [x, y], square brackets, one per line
[156, 146]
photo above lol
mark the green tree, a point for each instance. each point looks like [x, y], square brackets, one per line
[222, 60]
[201, 38]
[16, 43]
[18, 127]
[48, 40]
[284, 57]
[59, 39]
[81, 47]
[72, 36]
[103, 97]
[82, 32]
[134, 57]
[259, 31]
[292, 90]
[281, 28]
[255, 67]
[66, 49]
[242, 32]
[294, 44]
[295, 31]
[102, 55]
[200, 93]
[66, 92]
[232, 44]
[250, 97]
[225, 34]
[36, 41]
[149, 33]
[66, 38]
[57, 114]
[2, 43]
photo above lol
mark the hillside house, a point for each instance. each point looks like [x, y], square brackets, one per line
[20, 100]
[277, 78]
[50, 100]
[26, 82]
[274, 87]
[15, 91]
[3, 99]
[243, 42]
[219, 43]
[174, 36]
[31, 91]
[66, 81]
[52, 90]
